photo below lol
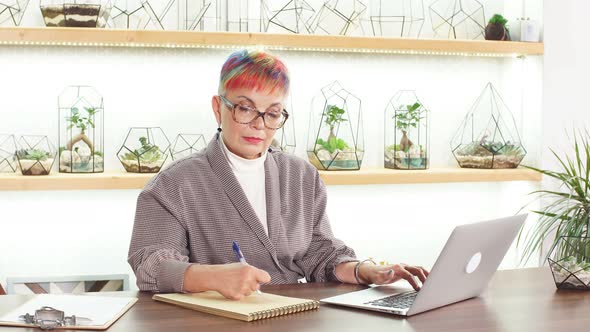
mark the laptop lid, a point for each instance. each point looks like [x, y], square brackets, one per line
[467, 262]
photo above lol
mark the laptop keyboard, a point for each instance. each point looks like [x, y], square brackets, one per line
[398, 301]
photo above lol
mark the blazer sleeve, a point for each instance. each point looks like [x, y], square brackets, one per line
[325, 251]
[158, 253]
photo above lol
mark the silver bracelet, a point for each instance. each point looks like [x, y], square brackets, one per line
[356, 271]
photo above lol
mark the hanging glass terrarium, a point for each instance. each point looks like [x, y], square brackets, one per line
[406, 132]
[187, 144]
[81, 129]
[335, 140]
[8, 163]
[76, 13]
[145, 150]
[488, 136]
[12, 11]
[35, 155]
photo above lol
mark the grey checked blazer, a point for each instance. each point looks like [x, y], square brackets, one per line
[192, 211]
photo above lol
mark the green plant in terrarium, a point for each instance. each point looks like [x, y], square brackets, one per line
[82, 121]
[499, 19]
[333, 115]
[147, 153]
[409, 117]
[568, 213]
[32, 154]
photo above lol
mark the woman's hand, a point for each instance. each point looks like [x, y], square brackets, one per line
[386, 274]
[234, 281]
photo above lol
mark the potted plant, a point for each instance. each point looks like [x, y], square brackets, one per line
[488, 136]
[35, 155]
[147, 156]
[336, 143]
[81, 130]
[497, 29]
[565, 219]
[75, 13]
[406, 145]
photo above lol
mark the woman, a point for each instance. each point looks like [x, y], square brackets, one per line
[238, 189]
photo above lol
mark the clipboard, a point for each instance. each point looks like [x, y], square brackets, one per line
[90, 312]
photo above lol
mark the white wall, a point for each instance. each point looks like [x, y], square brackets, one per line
[87, 232]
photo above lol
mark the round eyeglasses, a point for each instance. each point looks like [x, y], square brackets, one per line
[274, 117]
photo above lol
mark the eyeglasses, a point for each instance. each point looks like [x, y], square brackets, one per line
[274, 117]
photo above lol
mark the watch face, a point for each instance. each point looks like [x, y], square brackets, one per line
[49, 314]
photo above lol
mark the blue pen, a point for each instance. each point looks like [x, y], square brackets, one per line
[240, 256]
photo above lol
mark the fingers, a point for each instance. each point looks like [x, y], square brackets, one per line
[262, 276]
[409, 277]
[418, 271]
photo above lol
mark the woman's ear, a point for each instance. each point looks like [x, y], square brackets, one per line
[216, 106]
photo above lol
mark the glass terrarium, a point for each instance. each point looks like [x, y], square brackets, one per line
[35, 155]
[81, 129]
[8, 162]
[187, 144]
[243, 16]
[406, 132]
[403, 18]
[287, 16]
[488, 136]
[569, 260]
[132, 14]
[11, 12]
[76, 13]
[337, 17]
[457, 19]
[335, 140]
[284, 138]
[144, 150]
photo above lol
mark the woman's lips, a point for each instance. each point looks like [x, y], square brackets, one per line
[253, 140]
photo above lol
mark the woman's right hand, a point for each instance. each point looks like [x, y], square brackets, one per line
[234, 281]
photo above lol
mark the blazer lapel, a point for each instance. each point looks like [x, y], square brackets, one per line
[273, 201]
[234, 191]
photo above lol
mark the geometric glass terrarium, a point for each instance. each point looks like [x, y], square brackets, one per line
[81, 128]
[488, 136]
[75, 13]
[569, 260]
[8, 163]
[337, 17]
[335, 140]
[287, 16]
[406, 132]
[133, 14]
[457, 19]
[403, 18]
[144, 150]
[35, 155]
[187, 144]
[11, 12]
[284, 138]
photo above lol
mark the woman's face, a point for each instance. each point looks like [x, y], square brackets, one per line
[250, 140]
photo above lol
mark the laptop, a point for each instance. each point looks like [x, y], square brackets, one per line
[463, 269]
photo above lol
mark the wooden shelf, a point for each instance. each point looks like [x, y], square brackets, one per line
[121, 180]
[193, 39]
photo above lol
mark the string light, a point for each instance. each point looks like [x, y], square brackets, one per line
[269, 47]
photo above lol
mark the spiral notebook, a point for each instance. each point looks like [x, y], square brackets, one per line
[253, 307]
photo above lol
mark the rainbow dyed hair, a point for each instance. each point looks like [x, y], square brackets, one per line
[255, 70]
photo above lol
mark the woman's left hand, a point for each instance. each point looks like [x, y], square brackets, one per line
[386, 274]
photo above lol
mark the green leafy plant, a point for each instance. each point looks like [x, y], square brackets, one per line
[499, 19]
[568, 214]
[332, 144]
[82, 122]
[406, 118]
[333, 116]
[32, 154]
[147, 153]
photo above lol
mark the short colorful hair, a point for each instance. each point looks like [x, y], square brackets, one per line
[255, 70]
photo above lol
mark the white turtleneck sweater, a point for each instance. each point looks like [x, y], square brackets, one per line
[251, 176]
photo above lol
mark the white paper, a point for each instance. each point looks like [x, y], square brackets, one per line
[99, 309]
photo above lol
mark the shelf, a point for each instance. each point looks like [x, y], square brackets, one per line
[121, 180]
[233, 40]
